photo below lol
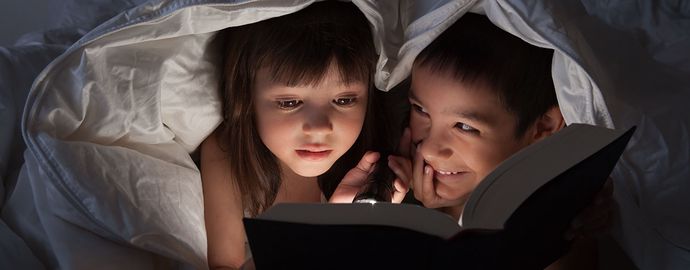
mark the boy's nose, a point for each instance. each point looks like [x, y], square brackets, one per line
[434, 148]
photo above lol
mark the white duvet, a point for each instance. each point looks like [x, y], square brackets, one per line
[108, 181]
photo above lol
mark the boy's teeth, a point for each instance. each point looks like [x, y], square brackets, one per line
[447, 173]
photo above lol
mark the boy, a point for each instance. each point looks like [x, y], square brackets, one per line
[479, 94]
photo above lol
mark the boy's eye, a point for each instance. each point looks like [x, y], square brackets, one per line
[418, 109]
[465, 127]
[288, 104]
[345, 102]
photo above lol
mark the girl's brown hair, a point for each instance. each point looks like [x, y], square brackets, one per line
[298, 48]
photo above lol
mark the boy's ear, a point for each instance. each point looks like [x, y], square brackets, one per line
[548, 124]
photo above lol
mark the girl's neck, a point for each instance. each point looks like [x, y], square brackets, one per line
[296, 188]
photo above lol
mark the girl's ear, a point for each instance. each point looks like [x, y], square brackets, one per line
[548, 124]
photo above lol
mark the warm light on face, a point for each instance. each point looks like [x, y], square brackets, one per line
[309, 127]
[463, 131]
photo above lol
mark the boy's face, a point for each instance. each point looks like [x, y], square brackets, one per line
[309, 127]
[461, 130]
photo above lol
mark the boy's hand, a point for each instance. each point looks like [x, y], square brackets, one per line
[419, 175]
[357, 177]
[595, 219]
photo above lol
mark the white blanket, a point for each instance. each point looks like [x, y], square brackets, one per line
[108, 181]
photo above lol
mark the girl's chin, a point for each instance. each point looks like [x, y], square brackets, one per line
[311, 171]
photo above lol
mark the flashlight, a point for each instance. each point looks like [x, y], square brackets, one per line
[379, 186]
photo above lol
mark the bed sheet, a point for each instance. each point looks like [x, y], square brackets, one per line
[132, 191]
[19, 66]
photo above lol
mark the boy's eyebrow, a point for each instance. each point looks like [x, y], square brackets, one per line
[410, 95]
[472, 115]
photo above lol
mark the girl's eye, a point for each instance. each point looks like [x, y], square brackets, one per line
[418, 109]
[288, 104]
[465, 127]
[345, 102]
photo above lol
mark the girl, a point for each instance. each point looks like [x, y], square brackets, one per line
[296, 92]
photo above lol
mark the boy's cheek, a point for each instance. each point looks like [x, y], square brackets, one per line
[416, 131]
[454, 194]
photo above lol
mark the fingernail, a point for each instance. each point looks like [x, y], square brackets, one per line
[427, 169]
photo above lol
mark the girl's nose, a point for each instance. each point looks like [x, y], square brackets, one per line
[317, 122]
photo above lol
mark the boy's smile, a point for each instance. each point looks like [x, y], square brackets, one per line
[462, 130]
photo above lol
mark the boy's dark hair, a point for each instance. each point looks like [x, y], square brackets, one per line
[475, 51]
[298, 49]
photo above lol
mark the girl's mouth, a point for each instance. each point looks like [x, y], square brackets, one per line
[313, 155]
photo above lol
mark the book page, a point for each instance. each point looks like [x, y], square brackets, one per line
[407, 216]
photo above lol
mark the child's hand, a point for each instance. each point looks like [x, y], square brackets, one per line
[596, 218]
[419, 176]
[357, 177]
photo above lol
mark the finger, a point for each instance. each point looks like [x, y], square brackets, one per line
[596, 210]
[598, 227]
[428, 191]
[604, 205]
[574, 229]
[405, 143]
[357, 176]
[401, 189]
[398, 170]
[417, 175]
[592, 221]
[598, 219]
[366, 164]
[582, 219]
[402, 168]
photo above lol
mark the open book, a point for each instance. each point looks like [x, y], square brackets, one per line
[515, 218]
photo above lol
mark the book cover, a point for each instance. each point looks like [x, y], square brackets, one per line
[514, 219]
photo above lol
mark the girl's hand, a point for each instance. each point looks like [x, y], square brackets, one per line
[357, 177]
[596, 218]
[402, 164]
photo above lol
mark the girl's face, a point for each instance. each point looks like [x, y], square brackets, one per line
[309, 127]
[463, 131]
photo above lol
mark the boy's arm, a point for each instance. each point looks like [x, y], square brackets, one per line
[594, 220]
[223, 210]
